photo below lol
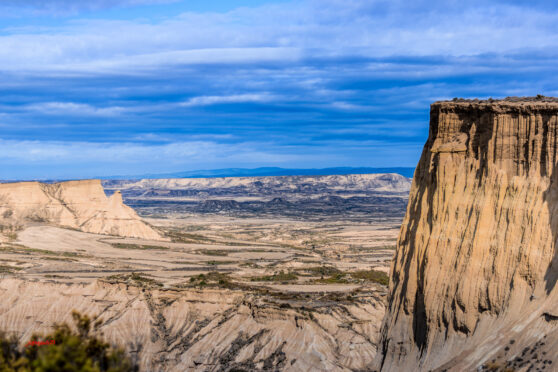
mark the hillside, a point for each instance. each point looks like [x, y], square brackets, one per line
[80, 205]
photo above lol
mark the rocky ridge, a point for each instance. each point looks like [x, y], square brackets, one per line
[81, 205]
[389, 182]
[357, 197]
[473, 282]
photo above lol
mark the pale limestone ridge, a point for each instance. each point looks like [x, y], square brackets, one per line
[474, 276]
[381, 182]
[80, 205]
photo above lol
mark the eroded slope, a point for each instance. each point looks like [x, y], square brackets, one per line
[81, 205]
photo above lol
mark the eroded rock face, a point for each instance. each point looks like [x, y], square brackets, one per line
[202, 330]
[81, 205]
[474, 277]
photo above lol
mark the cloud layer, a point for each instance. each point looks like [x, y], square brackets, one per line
[313, 83]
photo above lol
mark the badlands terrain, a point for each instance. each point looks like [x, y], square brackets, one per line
[290, 273]
[222, 274]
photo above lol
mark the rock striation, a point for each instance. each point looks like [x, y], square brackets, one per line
[473, 281]
[202, 330]
[80, 205]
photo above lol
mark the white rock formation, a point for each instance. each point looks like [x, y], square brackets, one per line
[80, 205]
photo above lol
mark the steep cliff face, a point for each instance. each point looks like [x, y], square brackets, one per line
[77, 204]
[474, 277]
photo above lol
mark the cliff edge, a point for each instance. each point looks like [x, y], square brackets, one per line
[80, 205]
[473, 283]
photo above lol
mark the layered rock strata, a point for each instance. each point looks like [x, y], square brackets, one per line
[81, 205]
[474, 277]
[203, 330]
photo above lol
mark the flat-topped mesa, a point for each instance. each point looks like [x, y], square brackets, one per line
[81, 205]
[476, 263]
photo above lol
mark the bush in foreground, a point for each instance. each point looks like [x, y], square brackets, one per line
[64, 350]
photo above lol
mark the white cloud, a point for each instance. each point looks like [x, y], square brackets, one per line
[280, 32]
[132, 157]
[237, 98]
[71, 108]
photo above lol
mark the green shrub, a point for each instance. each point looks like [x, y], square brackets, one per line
[335, 278]
[372, 275]
[70, 352]
[279, 277]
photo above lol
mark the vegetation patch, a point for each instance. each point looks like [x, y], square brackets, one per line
[214, 252]
[332, 275]
[183, 237]
[337, 278]
[321, 270]
[372, 275]
[65, 350]
[137, 246]
[214, 279]
[21, 249]
[8, 269]
[136, 278]
[216, 263]
[277, 277]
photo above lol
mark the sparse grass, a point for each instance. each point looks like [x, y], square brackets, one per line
[137, 278]
[216, 263]
[12, 236]
[249, 264]
[321, 270]
[183, 237]
[278, 277]
[59, 258]
[372, 276]
[21, 249]
[214, 252]
[8, 269]
[337, 278]
[213, 279]
[138, 246]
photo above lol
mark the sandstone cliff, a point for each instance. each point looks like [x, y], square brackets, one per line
[81, 205]
[474, 277]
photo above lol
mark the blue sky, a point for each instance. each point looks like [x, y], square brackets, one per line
[116, 87]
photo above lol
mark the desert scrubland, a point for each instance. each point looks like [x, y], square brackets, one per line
[268, 273]
[291, 273]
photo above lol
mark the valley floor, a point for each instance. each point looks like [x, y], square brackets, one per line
[224, 293]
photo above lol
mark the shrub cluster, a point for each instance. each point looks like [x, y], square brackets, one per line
[64, 350]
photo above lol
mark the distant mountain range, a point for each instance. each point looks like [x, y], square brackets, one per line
[271, 171]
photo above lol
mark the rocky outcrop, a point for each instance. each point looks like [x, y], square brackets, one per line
[474, 276]
[81, 205]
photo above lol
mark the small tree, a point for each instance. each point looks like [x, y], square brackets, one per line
[70, 352]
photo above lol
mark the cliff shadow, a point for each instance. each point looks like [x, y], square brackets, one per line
[551, 197]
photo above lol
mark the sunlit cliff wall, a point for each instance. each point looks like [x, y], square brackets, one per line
[475, 269]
